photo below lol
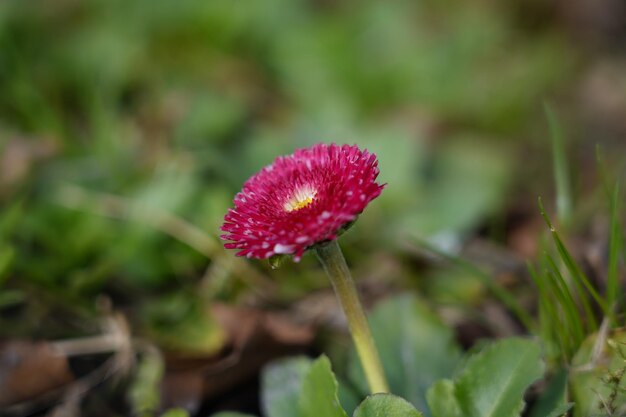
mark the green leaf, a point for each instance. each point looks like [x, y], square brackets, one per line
[596, 376]
[179, 412]
[561, 410]
[553, 398]
[230, 414]
[386, 405]
[348, 395]
[318, 396]
[467, 179]
[281, 382]
[493, 382]
[415, 351]
[442, 401]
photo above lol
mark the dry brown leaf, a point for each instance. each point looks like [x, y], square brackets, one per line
[28, 370]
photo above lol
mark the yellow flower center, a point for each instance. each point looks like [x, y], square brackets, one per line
[300, 199]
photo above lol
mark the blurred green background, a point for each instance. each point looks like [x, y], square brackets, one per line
[126, 127]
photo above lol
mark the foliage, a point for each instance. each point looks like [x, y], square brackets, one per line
[385, 405]
[571, 305]
[416, 350]
[301, 387]
[126, 128]
[147, 116]
[597, 380]
[491, 383]
[552, 402]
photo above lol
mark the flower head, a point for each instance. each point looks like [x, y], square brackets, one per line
[301, 200]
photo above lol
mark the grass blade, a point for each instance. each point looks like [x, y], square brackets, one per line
[561, 170]
[615, 242]
[568, 304]
[576, 274]
[549, 315]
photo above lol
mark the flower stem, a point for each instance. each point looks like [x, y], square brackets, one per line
[334, 263]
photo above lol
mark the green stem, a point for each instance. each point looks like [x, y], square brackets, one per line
[335, 266]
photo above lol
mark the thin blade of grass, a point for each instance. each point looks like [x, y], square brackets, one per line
[549, 316]
[568, 318]
[615, 242]
[561, 170]
[564, 294]
[577, 275]
[616, 238]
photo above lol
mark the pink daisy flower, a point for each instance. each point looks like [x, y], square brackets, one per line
[300, 200]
